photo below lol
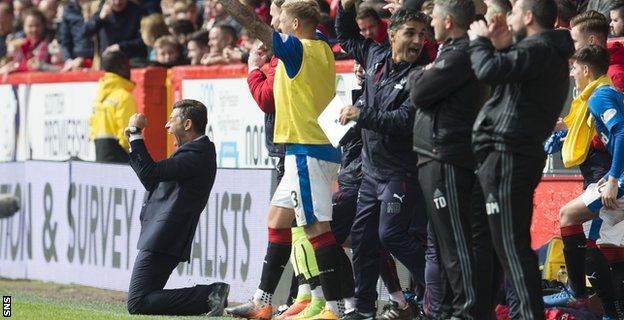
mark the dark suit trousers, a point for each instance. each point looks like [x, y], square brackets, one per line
[146, 295]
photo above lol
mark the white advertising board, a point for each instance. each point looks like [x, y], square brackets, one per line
[79, 223]
[236, 123]
[58, 120]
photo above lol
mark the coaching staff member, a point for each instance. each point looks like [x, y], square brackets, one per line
[178, 189]
[448, 96]
[530, 80]
[389, 195]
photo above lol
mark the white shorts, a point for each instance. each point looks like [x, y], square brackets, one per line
[307, 188]
[609, 227]
[591, 196]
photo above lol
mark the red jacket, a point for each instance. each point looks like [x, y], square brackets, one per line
[29, 50]
[616, 64]
[616, 73]
[261, 86]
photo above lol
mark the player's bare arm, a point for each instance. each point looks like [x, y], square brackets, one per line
[245, 16]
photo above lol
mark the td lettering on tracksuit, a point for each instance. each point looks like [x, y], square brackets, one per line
[447, 97]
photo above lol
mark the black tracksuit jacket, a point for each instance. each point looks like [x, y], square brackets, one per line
[387, 116]
[447, 97]
[530, 85]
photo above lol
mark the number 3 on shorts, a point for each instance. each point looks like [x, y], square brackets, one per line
[294, 198]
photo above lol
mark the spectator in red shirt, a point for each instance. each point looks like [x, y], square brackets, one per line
[371, 26]
[33, 53]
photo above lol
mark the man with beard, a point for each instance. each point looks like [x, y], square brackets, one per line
[529, 72]
[447, 97]
[389, 195]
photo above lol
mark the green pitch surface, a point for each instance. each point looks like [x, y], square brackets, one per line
[40, 300]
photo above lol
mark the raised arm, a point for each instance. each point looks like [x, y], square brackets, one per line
[349, 36]
[246, 17]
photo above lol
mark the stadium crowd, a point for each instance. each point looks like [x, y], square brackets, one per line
[54, 35]
[456, 100]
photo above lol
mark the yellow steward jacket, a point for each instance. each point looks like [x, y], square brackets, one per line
[114, 104]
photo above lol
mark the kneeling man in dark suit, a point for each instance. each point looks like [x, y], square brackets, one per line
[178, 189]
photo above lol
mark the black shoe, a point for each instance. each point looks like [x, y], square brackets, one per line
[217, 299]
[356, 315]
[391, 311]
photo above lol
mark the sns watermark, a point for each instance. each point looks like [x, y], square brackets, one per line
[6, 306]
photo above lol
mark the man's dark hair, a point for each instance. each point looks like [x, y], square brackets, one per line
[403, 15]
[544, 11]
[194, 111]
[278, 3]
[116, 62]
[200, 37]
[462, 11]
[566, 10]
[329, 24]
[324, 6]
[591, 23]
[228, 30]
[182, 26]
[365, 12]
[595, 57]
[619, 7]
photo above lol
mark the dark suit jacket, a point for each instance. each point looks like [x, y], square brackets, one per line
[178, 190]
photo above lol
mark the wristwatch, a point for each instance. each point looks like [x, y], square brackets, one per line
[134, 130]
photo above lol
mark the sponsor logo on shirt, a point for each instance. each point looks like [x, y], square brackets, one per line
[608, 115]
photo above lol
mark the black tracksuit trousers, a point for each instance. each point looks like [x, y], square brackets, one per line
[509, 181]
[447, 191]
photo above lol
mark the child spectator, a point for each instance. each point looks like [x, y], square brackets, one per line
[167, 52]
[152, 28]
